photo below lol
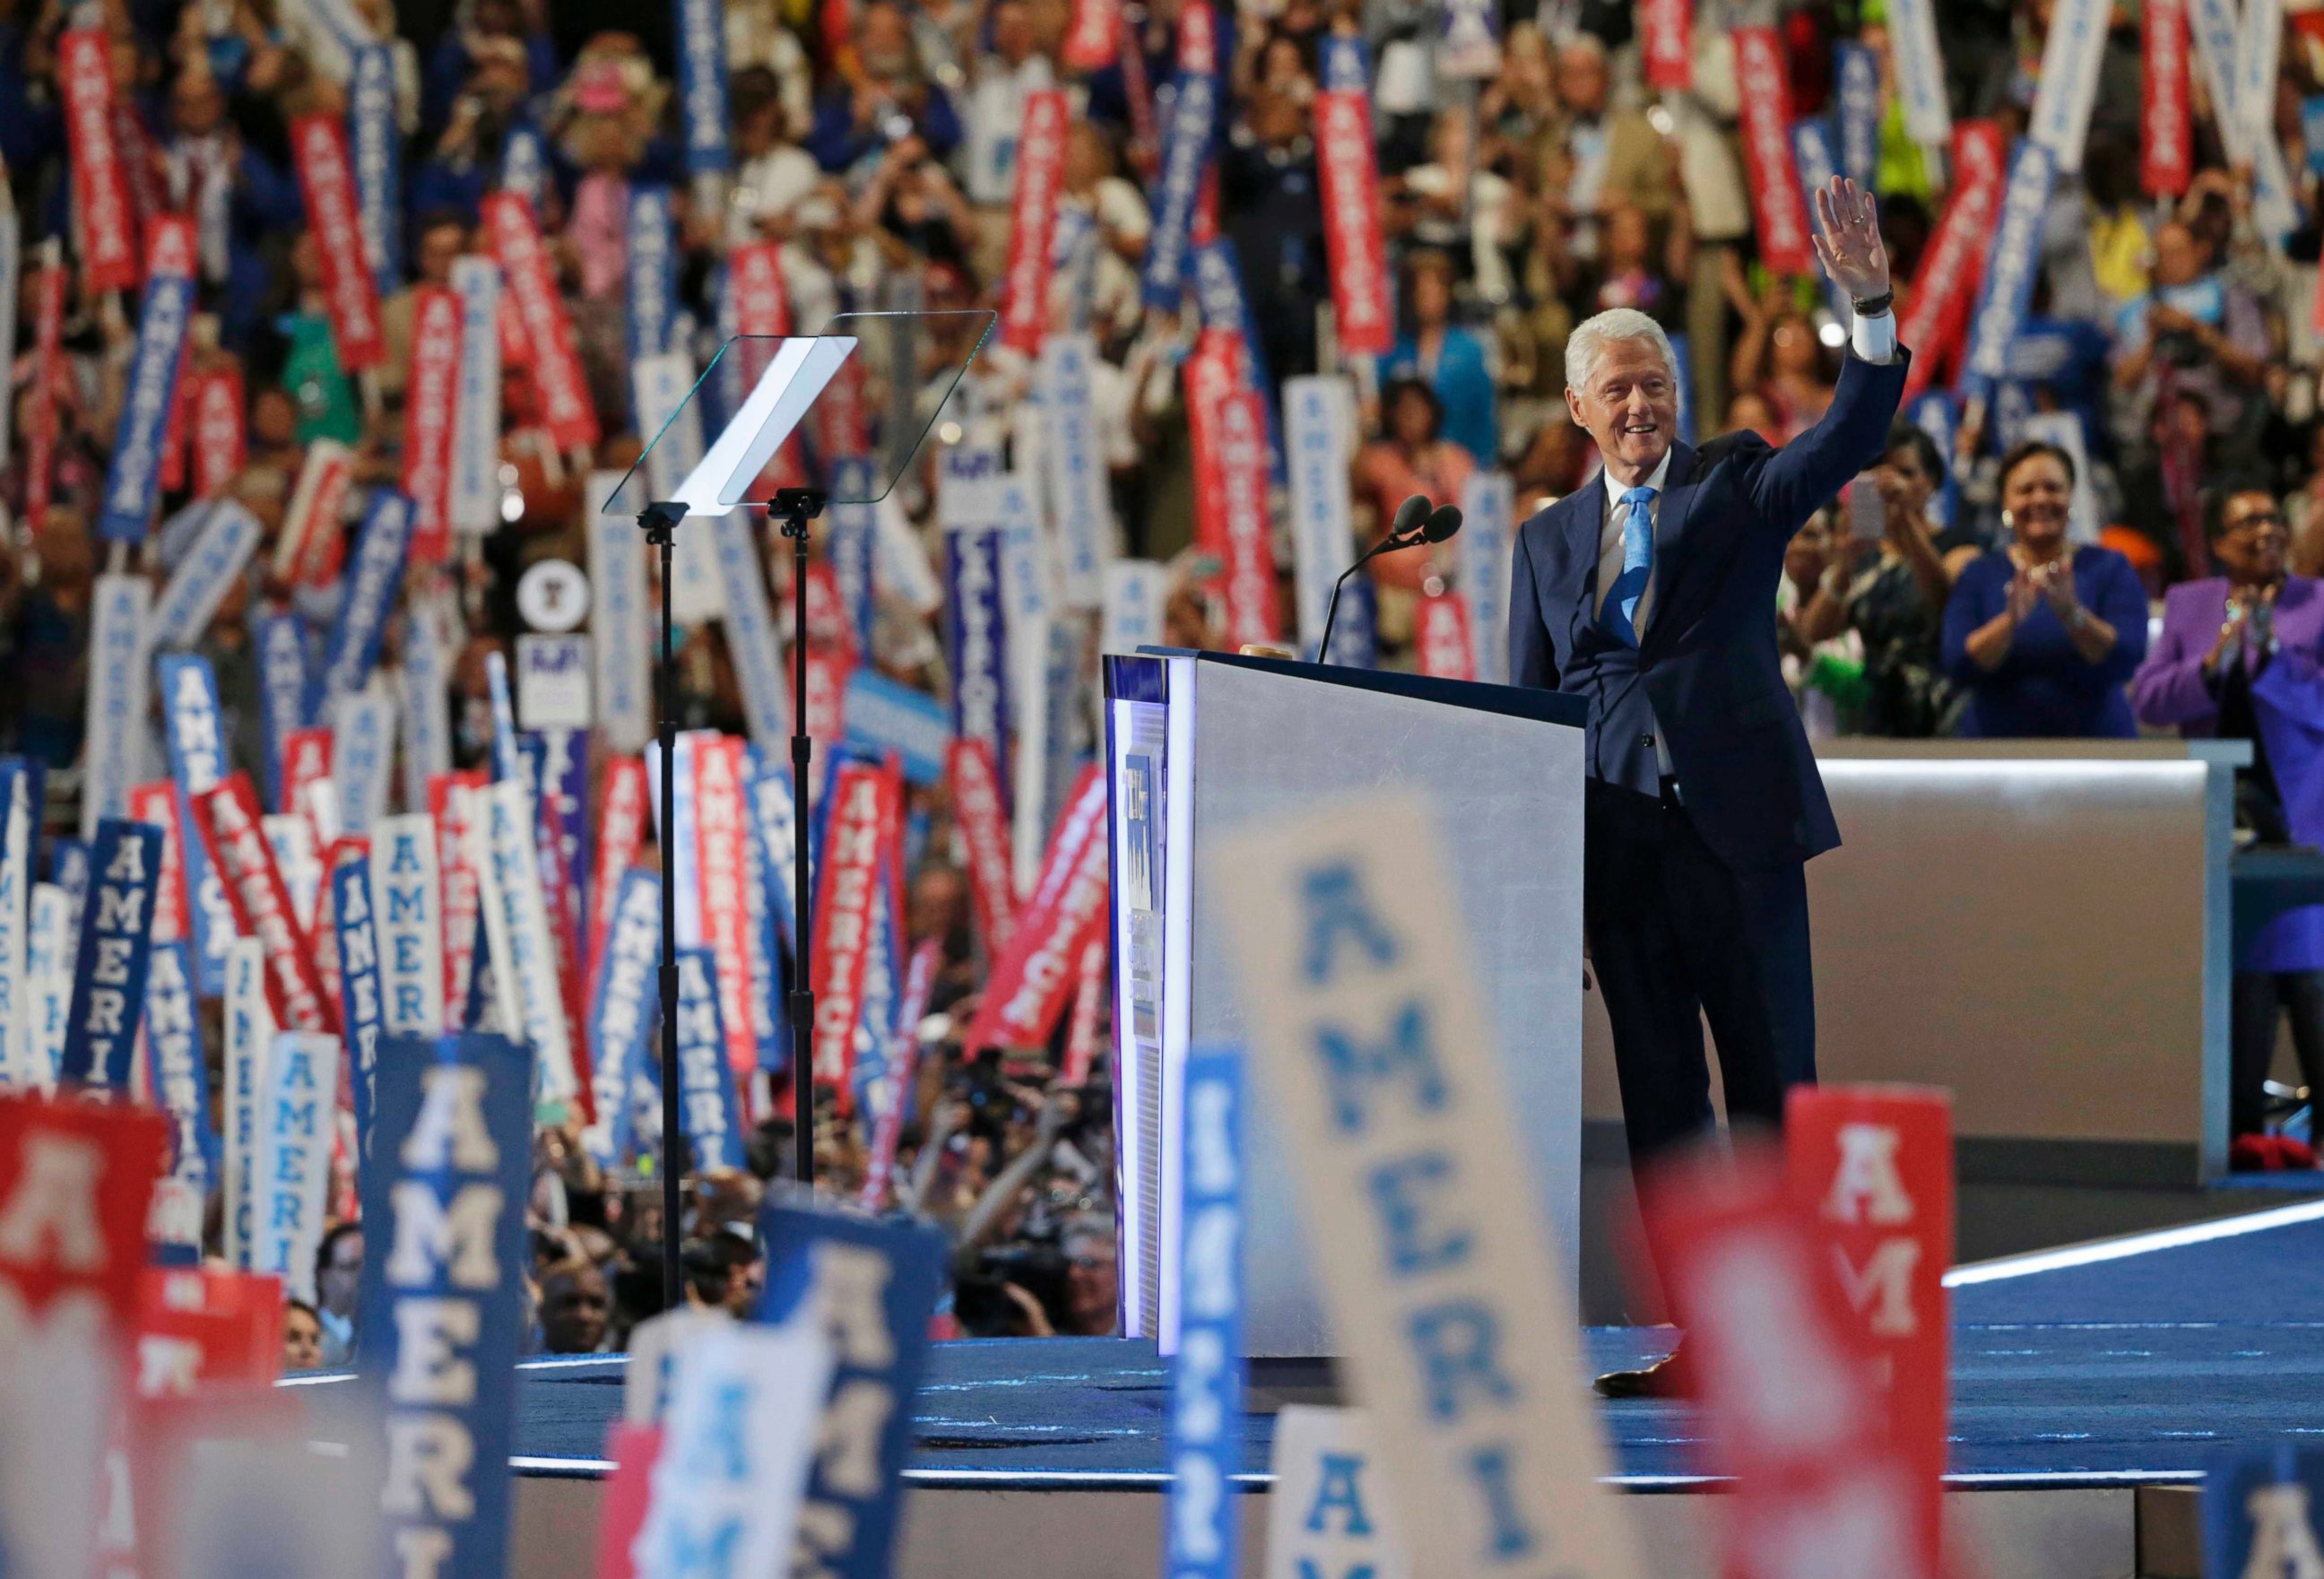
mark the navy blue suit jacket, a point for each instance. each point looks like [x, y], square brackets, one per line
[1706, 674]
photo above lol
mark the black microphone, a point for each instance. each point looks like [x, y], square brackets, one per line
[1413, 525]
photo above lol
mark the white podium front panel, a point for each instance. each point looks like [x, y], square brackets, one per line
[1226, 744]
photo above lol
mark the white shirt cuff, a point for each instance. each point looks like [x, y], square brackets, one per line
[1874, 340]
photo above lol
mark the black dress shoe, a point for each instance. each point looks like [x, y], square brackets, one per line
[1659, 1380]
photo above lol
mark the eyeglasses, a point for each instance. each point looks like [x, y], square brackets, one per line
[2260, 521]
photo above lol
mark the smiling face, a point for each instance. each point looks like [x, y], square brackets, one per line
[2037, 494]
[2251, 541]
[1630, 405]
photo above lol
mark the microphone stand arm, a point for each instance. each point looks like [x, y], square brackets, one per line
[1391, 541]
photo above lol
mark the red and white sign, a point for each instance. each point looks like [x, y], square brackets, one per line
[227, 815]
[973, 775]
[314, 537]
[721, 850]
[2166, 120]
[173, 431]
[566, 407]
[1033, 221]
[430, 392]
[1092, 40]
[100, 179]
[1667, 33]
[827, 695]
[206, 1328]
[1089, 997]
[306, 760]
[1214, 373]
[1035, 977]
[326, 179]
[48, 366]
[828, 628]
[1872, 1169]
[1784, 1379]
[1441, 633]
[219, 445]
[157, 804]
[1944, 287]
[1347, 170]
[620, 835]
[1779, 206]
[451, 805]
[865, 807]
[903, 1066]
[75, 1179]
[1251, 601]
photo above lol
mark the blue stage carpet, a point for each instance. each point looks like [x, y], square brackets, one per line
[2144, 1363]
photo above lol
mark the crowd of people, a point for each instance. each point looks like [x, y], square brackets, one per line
[1994, 579]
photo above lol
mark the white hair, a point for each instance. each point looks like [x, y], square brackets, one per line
[1591, 335]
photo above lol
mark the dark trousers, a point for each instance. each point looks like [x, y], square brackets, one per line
[1676, 935]
[2259, 998]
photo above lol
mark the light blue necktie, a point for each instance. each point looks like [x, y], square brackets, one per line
[1638, 564]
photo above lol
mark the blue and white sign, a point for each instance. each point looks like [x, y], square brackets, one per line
[2067, 86]
[282, 686]
[524, 164]
[2009, 269]
[621, 1018]
[15, 915]
[226, 541]
[1193, 118]
[677, 823]
[1080, 497]
[508, 761]
[1920, 72]
[426, 704]
[1202, 1530]
[69, 870]
[360, 1013]
[182, 1090]
[883, 716]
[363, 747]
[112, 755]
[976, 635]
[474, 497]
[1137, 591]
[443, 1294]
[1489, 515]
[751, 629]
[1815, 162]
[1355, 640]
[1329, 1512]
[1387, 1092]
[133, 482]
[1934, 415]
[872, 1286]
[621, 640]
[109, 966]
[652, 275]
[1319, 424]
[714, 1125]
[48, 983]
[702, 84]
[516, 925]
[559, 762]
[196, 744]
[853, 544]
[774, 831]
[769, 1020]
[409, 906]
[374, 145]
[1856, 112]
[374, 573]
[249, 1027]
[296, 1106]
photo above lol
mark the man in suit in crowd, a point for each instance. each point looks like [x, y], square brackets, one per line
[1651, 592]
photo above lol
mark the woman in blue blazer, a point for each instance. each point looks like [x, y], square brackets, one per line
[2043, 634]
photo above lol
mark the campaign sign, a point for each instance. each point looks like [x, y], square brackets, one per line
[705, 1085]
[133, 483]
[1381, 1072]
[736, 1447]
[362, 743]
[1318, 424]
[371, 587]
[722, 843]
[115, 941]
[475, 490]
[1855, 111]
[1330, 1513]
[751, 630]
[774, 820]
[1185, 153]
[620, 835]
[516, 922]
[559, 759]
[1488, 506]
[182, 1090]
[623, 1016]
[884, 717]
[359, 984]
[651, 273]
[281, 689]
[1201, 1531]
[224, 546]
[249, 1025]
[69, 870]
[620, 640]
[443, 1294]
[702, 84]
[2261, 1509]
[48, 984]
[15, 909]
[552, 681]
[2010, 267]
[376, 153]
[977, 636]
[297, 1106]
[112, 749]
[75, 1179]
[872, 1286]
[227, 815]
[406, 918]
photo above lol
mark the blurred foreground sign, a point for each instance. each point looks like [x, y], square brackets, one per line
[1367, 1024]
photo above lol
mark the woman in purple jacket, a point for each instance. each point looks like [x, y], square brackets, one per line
[2239, 660]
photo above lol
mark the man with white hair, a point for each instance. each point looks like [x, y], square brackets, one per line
[1652, 594]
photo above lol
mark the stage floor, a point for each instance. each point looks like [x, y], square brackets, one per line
[2127, 1362]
